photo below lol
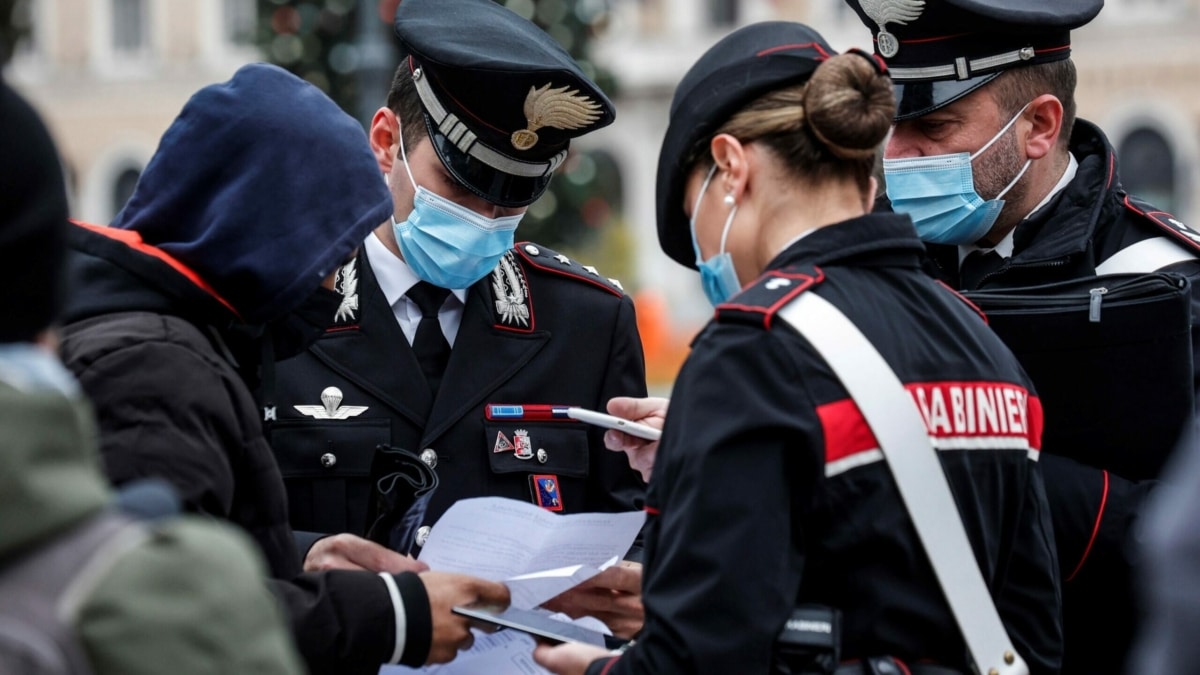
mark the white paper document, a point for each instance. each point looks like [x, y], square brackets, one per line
[536, 553]
[505, 652]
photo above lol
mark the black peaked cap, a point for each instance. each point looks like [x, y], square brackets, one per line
[502, 99]
[938, 51]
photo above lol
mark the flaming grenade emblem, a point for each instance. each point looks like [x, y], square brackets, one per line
[555, 108]
[899, 12]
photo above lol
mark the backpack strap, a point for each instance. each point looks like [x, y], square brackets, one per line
[44, 589]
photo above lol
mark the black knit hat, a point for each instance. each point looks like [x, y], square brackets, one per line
[33, 222]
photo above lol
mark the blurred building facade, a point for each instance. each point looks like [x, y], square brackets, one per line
[1135, 82]
[110, 75]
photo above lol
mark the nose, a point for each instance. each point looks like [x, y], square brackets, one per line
[901, 143]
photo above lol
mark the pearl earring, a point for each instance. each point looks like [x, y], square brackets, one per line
[729, 201]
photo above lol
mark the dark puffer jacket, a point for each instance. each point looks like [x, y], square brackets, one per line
[258, 190]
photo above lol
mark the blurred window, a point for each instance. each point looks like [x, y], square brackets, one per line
[1148, 168]
[722, 12]
[240, 21]
[122, 188]
[129, 26]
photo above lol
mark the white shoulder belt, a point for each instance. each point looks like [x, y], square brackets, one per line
[904, 439]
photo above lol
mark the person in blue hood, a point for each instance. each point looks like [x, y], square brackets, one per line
[92, 580]
[222, 260]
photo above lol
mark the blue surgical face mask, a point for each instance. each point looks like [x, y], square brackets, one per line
[449, 245]
[938, 193]
[716, 274]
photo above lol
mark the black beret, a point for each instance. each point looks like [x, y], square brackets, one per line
[33, 222]
[502, 99]
[744, 65]
[938, 51]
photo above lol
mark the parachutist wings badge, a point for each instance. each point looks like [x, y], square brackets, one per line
[883, 12]
[512, 295]
[347, 284]
[331, 408]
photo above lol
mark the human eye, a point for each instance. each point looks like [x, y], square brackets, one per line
[934, 128]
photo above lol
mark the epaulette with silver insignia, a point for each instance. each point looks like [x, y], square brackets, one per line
[761, 300]
[557, 263]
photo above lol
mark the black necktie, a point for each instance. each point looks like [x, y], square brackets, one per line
[430, 344]
[976, 266]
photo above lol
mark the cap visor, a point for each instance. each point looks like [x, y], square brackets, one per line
[497, 187]
[915, 99]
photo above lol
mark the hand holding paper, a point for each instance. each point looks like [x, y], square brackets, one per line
[536, 553]
[614, 596]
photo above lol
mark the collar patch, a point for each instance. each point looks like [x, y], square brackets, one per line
[514, 308]
[346, 283]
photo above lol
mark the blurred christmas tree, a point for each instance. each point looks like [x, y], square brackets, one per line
[346, 48]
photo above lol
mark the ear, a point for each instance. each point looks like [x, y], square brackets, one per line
[385, 138]
[732, 162]
[1045, 116]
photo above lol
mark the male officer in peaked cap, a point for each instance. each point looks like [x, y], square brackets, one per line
[1009, 190]
[453, 343]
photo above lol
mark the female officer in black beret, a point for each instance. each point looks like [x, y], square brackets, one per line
[770, 490]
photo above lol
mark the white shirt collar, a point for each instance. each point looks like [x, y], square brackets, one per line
[1005, 247]
[394, 275]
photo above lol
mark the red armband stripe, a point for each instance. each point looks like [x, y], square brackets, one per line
[608, 666]
[1095, 529]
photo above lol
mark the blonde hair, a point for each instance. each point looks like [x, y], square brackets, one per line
[827, 128]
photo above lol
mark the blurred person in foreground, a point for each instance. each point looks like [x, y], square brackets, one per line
[770, 491]
[181, 594]
[222, 259]
[1168, 569]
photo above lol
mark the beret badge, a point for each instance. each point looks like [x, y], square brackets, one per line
[556, 108]
[883, 12]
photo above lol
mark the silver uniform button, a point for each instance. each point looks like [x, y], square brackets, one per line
[532, 250]
[429, 456]
[542, 456]
[328, 460]
[422, 535]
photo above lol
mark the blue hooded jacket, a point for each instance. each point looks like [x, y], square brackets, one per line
[261, 186]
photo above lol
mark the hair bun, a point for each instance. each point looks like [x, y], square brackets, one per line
[849, 106]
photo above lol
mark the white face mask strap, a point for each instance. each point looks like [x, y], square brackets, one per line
[703, 187]
[728, 223]
[696, 205]
[1014, 181]
[1001, 132]
[404, 157]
